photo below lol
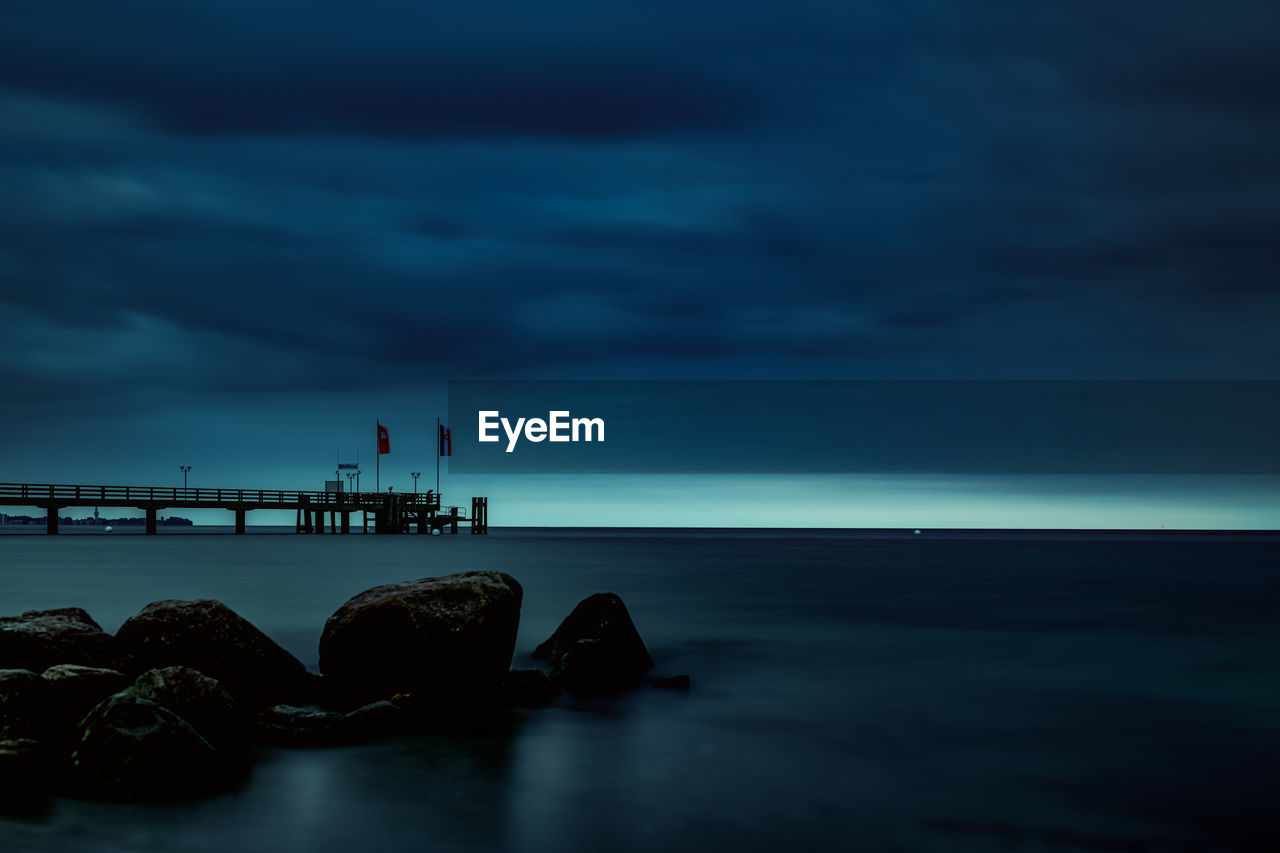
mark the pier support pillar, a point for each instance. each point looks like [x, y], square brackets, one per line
[453, 520]
[151, 520]
[239, 521]
[346, 521]
[52, 520]
[319, 521]
[333, 521]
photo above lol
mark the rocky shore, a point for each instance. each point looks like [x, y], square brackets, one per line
[175, 703]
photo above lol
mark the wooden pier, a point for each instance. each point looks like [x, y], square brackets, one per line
[390, 512]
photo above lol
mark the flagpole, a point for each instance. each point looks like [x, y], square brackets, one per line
[377, 456]
[438, 449]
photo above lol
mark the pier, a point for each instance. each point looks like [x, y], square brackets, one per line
[390, 512]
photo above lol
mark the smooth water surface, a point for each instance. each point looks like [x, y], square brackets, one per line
[1015, 692]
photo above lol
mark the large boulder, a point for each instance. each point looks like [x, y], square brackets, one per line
[596, 649]
[75, 689]
[39, 639]
[131, 748]
[210, 637]
[447, 639]
[24, 705]
[202, 703]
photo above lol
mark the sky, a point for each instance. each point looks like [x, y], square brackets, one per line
[235, 235]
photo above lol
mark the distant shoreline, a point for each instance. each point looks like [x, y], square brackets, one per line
[185, 526]
[42, 521]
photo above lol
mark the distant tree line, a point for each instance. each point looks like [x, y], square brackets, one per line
[99, 522]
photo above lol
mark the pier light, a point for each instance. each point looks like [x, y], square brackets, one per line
[184, 469]
[415, 475]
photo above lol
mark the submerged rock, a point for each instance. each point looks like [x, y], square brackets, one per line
[210, 637]
[447, 637]
[596, 649]
[201, 702]
[39, 639]
[379, 718]
[292, 725]
[528, 688]
[131, 748]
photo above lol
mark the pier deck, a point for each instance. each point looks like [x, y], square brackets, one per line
[391, 512]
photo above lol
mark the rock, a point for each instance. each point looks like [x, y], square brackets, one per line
[675, 682]
[528, 688]
[202, 703]
[75, 689]
[39, 639]
[294, 725]
[24, 776]
[377, 719]
[25, 705]
[291, 725]
[133, 749]
[314, 689]
[596, 649]
[210, 637]
[450, 638]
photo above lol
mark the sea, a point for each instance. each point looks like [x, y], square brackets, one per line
[851, 690]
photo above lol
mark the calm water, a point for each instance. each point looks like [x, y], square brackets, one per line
[1023, 692]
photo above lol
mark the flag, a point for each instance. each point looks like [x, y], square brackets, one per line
[446, 441]
[384, 440]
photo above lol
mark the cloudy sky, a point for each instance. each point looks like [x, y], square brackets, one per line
[234, 234]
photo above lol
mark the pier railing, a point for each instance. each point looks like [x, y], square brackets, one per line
[27, 493]
[393, 512]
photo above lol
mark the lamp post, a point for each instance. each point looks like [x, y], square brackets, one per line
[184, 469]
[350, 479]
[415, 475]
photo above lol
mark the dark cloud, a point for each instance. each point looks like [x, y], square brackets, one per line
[214, 197]
[227, 71]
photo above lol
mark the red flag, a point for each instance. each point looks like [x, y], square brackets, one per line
[384, 440]
[446, 441]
